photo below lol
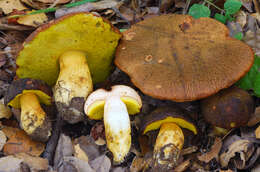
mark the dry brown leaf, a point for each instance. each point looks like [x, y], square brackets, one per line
[183, 166]
[9, 5]
[5, 111]
[213, 153]
[10, 131]
[34, 4]
[2, 140]
[257, 132]
[71, 163]
[10, 163]
[54, 1]
[242, 147]
[137, 164]
[35, 163]
[253, 40]
[79, 153]
[101, 164]
[20, 142]
[255, 117]
[33, 20]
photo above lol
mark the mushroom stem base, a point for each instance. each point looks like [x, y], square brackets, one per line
[33, 119]
[117, 128]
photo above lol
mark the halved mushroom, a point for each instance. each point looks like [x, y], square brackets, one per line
[229, 108]
[71, 52]
[179, 58]
[27, 94]
[115, 105]
[170, 139]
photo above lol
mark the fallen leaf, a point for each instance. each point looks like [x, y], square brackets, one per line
[183, 166]
[5, 112]
[9, 5]
[33, 20]
[54, 1]
[88, 145]
[64, 149]
[241, 147]
[253, 40]
[10, 164]
[79, 153]
[255, 117]
[101, 164]
[137, 164]
[2, 140]
[20, 142]
[213, 153]
[34, 163]
[257, 132]
[73, 164]
[98, 133]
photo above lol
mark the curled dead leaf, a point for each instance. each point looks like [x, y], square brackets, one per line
[33, 20]
[257, 132]
[9, 5]
[5, 111]
[2, 140]
[242, 147]
[213, 153]
[20, 142]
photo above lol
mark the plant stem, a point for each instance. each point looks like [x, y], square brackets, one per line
[212, 4]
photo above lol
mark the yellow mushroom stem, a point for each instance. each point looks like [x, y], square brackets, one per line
[74, 78]
[32, 115]
[169, 143]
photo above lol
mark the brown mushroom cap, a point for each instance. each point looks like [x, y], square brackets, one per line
[177, 57]
[20, 86]
[229, 108]
[167, 114]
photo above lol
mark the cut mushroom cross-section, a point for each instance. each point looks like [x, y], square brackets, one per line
[114, 106]
[71, 51]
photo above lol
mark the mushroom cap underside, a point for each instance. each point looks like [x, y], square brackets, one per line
[85, 32]
[179, 58]
[161, 115]
[20, 86]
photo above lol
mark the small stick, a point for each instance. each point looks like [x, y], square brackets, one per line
[53, 141]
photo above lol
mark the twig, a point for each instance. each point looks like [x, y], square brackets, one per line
[53, 141]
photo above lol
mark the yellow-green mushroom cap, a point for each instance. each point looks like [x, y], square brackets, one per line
[85, 32]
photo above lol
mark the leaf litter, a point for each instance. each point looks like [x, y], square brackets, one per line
[83, 153]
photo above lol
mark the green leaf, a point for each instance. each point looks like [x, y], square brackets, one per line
[239, 36]
[251, 81]
[256, 86]
[232, 6]
[198, 10]
[220, 18]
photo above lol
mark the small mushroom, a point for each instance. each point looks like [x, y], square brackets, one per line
[115, 105]
[170, 139]
[229, 108]
[27, 94]
[71, 51]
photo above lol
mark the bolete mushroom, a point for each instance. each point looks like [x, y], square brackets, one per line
[229, 108]
[170, 139]
[27, 94]
[179, 58]
[115, 105]
[71, 52]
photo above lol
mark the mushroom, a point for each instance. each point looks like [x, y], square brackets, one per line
[71, 51]
[229, 108]
[27, 94]
[115, 105]
[170, 140]
[176, 57]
